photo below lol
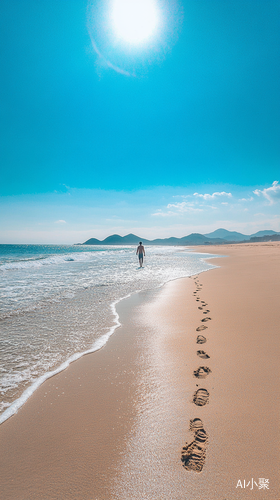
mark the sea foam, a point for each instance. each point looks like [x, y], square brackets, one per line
[98, 344]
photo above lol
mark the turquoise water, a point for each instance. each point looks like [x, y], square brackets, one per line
[57, 302]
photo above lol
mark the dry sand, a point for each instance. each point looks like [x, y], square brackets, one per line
[113, 425]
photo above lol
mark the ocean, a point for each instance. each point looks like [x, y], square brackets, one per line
[57, 303]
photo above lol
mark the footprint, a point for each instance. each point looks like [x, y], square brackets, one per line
[200, 328]
[201, 372]
[201, 397]
[200, 339]
[203, 354]
[206, 319]
[194, 454]
[196, 424]
[199, 307]
[206, 312]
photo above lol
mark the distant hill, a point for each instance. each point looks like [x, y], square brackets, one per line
[200, 239]
[234, 236]
[272, 237]
[224, 234]
[132, 239]
[218, 237]
[116, 239]
[263, 233]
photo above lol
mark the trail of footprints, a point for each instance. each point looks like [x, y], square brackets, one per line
[194, 453]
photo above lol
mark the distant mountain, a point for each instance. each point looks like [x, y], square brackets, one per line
[200, 239]
[263, 233]
[92, 241]
[271, 237]
[116, 239]
[234, 236]
[132, 239]
[218, 237]
[228, 235]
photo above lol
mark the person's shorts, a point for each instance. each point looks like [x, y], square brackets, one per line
[140, 255]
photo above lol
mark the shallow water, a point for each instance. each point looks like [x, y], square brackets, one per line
[58, 302]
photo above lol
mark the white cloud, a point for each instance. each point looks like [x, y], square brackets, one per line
[272, 194]
[212, 196]
[178, 209]
[246, 199]
[209, 206]
[160, 213]
[182, 196]
[184, 207]
[60, 222]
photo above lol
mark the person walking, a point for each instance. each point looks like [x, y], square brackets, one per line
[140, 252]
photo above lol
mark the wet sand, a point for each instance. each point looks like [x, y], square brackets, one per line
[114, 424]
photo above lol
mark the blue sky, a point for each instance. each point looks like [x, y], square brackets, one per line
[113, 138]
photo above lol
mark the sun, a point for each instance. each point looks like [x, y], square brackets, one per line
[134, 21]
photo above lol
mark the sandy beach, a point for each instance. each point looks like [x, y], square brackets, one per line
[193, 372]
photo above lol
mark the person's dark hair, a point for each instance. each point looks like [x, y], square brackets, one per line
[140, 243]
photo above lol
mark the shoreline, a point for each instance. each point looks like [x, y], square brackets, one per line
[98, 344]
[88, 431]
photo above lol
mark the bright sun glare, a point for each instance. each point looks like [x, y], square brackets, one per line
[134, 21]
